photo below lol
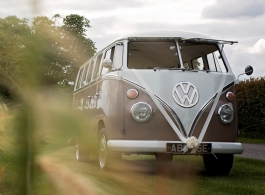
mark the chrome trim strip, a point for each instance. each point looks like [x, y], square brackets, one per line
[198, 116]
[174, 115]
[134, 84]
[228, 86]
[166, 106]
[153, 146]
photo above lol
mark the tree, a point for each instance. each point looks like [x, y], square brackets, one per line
[45, 52]
[66, 46]
[14, 33]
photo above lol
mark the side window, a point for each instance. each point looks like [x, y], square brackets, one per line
[77, 79]
[96, 69]
[215, 62]
[108, 55]
[117, 61]
[83, 82]
[115, 54]
[80, 76]
[197, 63]
[211, 62]
[90, 71]
[186, 65]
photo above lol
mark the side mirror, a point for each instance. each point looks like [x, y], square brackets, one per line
[249, 70]
[107, 63]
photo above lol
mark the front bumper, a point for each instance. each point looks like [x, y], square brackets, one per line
[147, 146]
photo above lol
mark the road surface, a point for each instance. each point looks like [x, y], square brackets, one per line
[255, 151]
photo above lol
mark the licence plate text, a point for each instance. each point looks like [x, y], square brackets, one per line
[204, 148]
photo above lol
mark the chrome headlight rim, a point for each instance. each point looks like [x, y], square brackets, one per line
[223, 121]
[150, 115]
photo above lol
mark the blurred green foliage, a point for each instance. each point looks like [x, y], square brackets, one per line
[38, 64]
[46, 52]
[251, 107]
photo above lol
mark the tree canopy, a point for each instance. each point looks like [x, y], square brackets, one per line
[46, 51]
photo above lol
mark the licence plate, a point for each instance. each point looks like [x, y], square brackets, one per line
[204, 148]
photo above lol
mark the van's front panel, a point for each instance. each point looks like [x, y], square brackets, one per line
[216, 131]
[157, 128]
[185, 93]
[162, 84]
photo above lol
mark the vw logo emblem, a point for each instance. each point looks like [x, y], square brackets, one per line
[185, 94]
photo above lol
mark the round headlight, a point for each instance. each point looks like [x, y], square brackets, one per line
[226, 114]
[141, 112]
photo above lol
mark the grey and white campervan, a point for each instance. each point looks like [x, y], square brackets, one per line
[163, 93]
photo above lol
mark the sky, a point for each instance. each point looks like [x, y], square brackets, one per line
[236, 20]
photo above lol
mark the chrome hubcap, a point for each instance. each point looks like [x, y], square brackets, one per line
[102, 151]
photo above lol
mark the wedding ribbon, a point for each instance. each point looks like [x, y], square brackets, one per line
[192, 142]
[209, 117]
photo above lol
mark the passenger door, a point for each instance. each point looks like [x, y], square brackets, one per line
[110, 90]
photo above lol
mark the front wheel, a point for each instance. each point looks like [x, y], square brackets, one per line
[220, 164]
[103, 152]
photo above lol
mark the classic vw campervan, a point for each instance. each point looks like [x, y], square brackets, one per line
[163, 93]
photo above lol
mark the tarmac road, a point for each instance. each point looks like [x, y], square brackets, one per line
[255, 151]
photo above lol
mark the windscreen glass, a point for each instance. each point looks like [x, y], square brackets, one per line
[199, 57]
[148, 55]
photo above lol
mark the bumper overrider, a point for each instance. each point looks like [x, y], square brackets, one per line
[152, 146]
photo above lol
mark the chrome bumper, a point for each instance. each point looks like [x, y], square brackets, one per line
[135, 146]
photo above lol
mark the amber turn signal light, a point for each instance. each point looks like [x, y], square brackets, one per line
[230, 96]
[132, 94]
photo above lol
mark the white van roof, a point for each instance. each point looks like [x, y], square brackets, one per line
[164, 33]
[153, 35]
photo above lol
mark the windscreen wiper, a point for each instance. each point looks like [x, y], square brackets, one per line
[175, 68]
[159, 68]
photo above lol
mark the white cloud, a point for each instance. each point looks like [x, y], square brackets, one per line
[258, 48]
[235, 20]
[234, 9]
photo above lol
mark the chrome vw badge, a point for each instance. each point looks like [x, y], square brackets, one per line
[185, 94]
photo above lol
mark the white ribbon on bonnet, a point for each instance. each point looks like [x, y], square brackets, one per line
[192, 143]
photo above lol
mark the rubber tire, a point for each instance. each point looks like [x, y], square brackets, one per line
[220, 166]
[164, 157]
[102, 149]
[81, 155]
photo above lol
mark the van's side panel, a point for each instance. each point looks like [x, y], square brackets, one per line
[109, 108]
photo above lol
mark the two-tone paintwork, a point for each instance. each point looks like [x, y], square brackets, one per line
[105, 104]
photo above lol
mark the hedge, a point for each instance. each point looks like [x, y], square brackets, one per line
[250, 95]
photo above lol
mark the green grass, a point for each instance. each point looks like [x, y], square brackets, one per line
[137, 175]
[8, 177]
[248, 140]
[185, 175]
